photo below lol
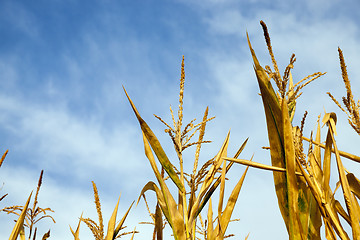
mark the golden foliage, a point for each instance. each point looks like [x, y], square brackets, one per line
[32, 215]
[351, 107]
[97, 229]
[182, 215]
[301, 179]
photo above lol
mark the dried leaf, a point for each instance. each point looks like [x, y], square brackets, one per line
[155, 145]
[19, 223]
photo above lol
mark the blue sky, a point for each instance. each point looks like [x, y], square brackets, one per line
[63, 64]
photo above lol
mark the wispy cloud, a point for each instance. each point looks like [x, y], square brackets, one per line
[67, 113]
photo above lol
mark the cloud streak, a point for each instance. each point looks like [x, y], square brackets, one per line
[63, 109]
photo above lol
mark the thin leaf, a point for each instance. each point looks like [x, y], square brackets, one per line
[3, 157]
[166, 201]
[275, 132]
[210, 225]
[76, 233]
[342, 212]
[208, 180]
[342, 153]
[217, 182]
[325, 208]
[354, 184]
[19, 223]
[120, 224]
[160, 198]
[222, 188]
[349, 200]
[295, 230]
[132, 236]
[110, 235]
[22, 233]
[259, 165]
[155, 145]
[158, 223]
[225, 218]
[168, 207]
[46, 235]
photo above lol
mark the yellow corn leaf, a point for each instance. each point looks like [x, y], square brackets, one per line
[225, 217]
[327, 166]
[132, 236]
[160, 198]
[46, 235]
[315, 157]
[275, 132]
[76, 233]
[279, 149]
[222, 188]
[317, 150]
[330, 119]
[210, 226]
[342, 212]
[221, 231]
[19, 223]
[111, 225]
[120, 224]
[292, 105]
[354, 184]
[326, 209]
[155, 145]
[342, 153]
[158, 223]
[311, 216]
[22, 233]
[349, 200]
[151, 159]
[357, 207]
[259, 165]
[295, 230]
[3, 157]
[329, 231]
[166, 200]
[217, 182]
[209, 178]
[169, 209]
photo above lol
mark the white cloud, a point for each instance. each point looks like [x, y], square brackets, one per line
[76, 147]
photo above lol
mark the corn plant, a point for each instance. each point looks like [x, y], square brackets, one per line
[19, 227]
[182, 215]
[97, 229]
[28, 217]
[158, 221]
[302, 180]
[351, 107]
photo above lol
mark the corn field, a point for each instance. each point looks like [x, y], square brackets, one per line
[192, 202]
